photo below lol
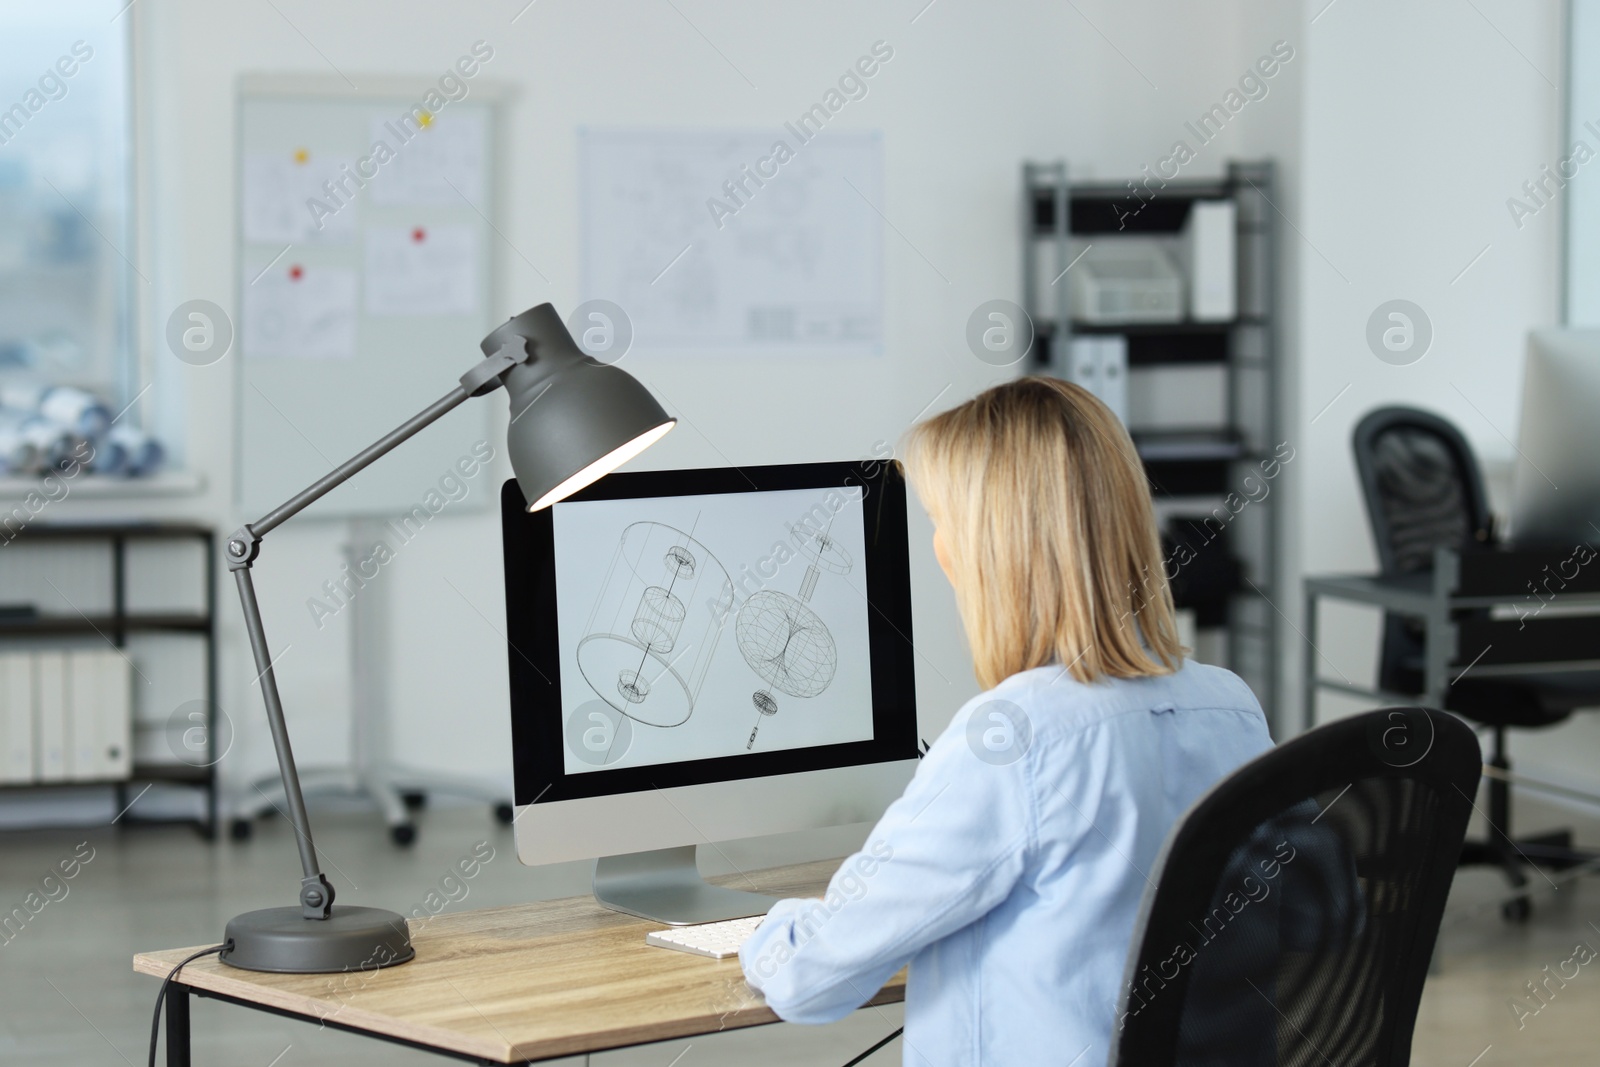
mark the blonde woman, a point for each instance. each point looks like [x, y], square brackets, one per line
[1010, 872]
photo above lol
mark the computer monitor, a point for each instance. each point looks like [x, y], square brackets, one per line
[1556, 483]
[703, 655]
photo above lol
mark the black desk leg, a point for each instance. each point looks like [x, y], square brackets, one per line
[177, 1025]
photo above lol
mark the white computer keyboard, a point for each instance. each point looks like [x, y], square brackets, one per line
[716, 940]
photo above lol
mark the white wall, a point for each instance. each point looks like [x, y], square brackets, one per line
[1278, 132]
[1421, 119]
[1583, 192]
[1400, 129]
[970, 93]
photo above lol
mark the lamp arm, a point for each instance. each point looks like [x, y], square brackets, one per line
[316, 894]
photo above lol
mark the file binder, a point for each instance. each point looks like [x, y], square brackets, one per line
[52, 725]
[1099, 363]
[98, 715]
[16, 718]
[1210, 254]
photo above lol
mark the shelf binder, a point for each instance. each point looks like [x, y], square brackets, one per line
[52, 725]
[1210, 256]
[98, 714]
[114, 717]
[1099, 363]
[17, 764]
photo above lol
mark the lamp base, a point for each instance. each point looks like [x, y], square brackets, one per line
[283, 941]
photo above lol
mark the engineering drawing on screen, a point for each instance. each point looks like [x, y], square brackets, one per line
[665, 592]
[704, 626]
[650, 640]
[782, 639]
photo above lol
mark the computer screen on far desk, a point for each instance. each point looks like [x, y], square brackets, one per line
[1556, 482]
[703, 655]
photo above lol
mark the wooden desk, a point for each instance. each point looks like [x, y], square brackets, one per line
[508, 985]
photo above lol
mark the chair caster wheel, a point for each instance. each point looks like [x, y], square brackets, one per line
[403, 834]
[1516, 910]
[415, 800]
[503, 814]
[241, 829]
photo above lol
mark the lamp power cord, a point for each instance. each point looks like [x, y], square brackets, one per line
[155, 1021]
[876, 1047]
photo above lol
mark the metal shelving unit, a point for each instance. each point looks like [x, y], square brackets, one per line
[115, 627]
[1191, 471]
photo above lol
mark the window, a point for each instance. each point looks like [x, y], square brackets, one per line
[1578, 166]
[67, 265]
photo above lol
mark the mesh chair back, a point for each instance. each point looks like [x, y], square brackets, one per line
[1295, 906]
[1423, 487]
[1423, 491]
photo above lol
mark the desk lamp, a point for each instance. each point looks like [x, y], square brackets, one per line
[594, 417]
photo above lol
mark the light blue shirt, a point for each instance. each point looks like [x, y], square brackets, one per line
[1010, 872]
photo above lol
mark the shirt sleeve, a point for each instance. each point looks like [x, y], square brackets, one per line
[943, 855]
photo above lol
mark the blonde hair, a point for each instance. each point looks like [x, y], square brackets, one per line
[1043, 508]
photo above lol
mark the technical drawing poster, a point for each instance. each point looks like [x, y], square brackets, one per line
[422, 270]
[300, 312]
[695, 627]
[723, 242]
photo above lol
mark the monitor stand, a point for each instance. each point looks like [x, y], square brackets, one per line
[665, 885]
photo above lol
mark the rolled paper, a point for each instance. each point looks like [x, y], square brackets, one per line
[23, 398]
[18, 454]
[110, 456]
[145, 454]
[79, 410]
[54, 445]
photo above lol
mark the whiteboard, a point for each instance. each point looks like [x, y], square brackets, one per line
[783, 264]
[360, 305]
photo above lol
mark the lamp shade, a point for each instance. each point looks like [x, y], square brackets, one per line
[573, 418]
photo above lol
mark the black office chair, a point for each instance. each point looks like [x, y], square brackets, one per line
[1296, 905]
[1423, 491]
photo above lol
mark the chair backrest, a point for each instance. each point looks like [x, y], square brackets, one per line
[1423, 491]
[1294, 908]
[1422, 486]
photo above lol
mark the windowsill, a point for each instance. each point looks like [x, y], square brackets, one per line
[107, 487]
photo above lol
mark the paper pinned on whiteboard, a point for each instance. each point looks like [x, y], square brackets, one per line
[277, 189]
[421, 270]
[737, 241]
[429, 158]
[296, 311]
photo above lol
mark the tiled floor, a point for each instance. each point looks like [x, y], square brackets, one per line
[68, 996]
[1467, 1015]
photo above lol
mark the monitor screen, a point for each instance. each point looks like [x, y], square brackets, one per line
[681, 627]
